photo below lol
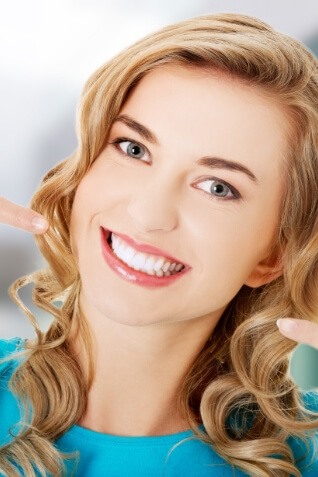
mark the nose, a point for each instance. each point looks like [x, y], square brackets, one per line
[154, 206]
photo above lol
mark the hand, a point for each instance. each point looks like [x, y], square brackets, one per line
[303, 331]
[22, 217]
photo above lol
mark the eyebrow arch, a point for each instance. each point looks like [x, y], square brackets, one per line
[211, 162]
[139, 128]
[218, 162]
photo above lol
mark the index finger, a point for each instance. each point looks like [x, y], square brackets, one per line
[303, 331]
[21, 217]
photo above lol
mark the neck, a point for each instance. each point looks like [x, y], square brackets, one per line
[139, 371]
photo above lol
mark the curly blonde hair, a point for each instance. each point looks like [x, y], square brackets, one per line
[246, 365]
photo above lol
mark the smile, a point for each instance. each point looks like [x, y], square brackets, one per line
[150, 270]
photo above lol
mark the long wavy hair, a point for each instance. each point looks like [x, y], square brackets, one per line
[245, 366]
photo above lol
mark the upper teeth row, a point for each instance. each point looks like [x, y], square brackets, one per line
[142, 261]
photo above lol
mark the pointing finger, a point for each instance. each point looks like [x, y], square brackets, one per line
[21, 217]
[303, 331]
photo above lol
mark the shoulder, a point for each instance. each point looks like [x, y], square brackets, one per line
[8, 347]
[196, 458]
[10, 344]
[306, 454]
[310, 400]
[9, 404]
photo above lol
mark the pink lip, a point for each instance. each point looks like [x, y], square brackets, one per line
[131, 275]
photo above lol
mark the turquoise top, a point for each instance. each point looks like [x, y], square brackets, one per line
[119, 456]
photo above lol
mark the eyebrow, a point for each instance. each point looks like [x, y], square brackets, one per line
[208, 161]
[139, 128]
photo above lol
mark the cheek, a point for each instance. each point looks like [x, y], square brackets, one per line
[237, 241]
[92, 199]
[80, 213]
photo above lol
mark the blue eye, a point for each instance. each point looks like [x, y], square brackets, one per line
[220, 189]
[132, 149]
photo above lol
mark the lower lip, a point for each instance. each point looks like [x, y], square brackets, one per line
[131, 275]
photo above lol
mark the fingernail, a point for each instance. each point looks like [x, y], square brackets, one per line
[39, 223]
[286, 324]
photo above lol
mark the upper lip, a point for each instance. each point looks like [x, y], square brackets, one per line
[142, 247]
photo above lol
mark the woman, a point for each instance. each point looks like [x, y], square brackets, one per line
[182, 228]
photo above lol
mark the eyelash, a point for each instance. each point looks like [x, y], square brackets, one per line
[236, 195]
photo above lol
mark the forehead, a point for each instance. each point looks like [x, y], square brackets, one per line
[208, 112]
[171, 77]
[208, 94]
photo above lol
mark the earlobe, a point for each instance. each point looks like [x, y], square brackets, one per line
[265, 272]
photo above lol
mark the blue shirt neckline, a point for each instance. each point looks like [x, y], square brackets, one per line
[85, 433]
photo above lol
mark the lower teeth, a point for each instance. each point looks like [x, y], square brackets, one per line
[159, 273]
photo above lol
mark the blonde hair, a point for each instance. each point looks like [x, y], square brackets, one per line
[245, 366]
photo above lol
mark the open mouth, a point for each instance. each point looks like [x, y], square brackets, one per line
[149, 264]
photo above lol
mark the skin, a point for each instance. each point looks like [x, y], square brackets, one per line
[22, 218]
[139, 332]
[303, 331]
[145, 339]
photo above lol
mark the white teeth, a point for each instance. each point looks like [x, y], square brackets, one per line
[149, 264]
[129, 254]
[121, 249]
[166, 266]
[115, 241]
[158, 264]
[139, 261]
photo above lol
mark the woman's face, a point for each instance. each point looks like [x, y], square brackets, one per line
[200, 178]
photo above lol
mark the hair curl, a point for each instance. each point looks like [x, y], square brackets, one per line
[245, 366]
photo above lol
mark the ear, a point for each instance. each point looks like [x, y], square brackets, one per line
[266, 270]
